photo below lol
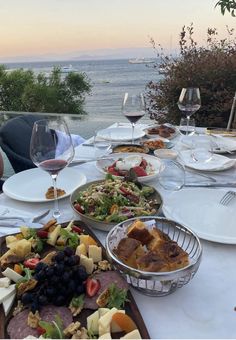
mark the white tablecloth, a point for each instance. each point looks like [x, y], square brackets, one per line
[204, 308]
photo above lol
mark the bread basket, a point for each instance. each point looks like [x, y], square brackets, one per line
[157, 283]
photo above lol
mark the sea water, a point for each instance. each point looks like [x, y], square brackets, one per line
[110, 79]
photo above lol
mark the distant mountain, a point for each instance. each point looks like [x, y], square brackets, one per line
[121, 53]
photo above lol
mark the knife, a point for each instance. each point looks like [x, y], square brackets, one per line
[210, 185]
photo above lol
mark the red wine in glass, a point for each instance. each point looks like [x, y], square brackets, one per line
[51, 149]
[53, 166]
[133, 108]
[133, 117]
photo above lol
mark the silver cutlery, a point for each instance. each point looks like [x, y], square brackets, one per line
[210, 185]
[228, 197]
[34, 219]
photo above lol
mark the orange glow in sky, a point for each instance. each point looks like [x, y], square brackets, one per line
[37, 27]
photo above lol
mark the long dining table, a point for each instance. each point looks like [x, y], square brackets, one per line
[206, 306]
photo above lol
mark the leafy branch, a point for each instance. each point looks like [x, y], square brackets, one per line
[227, 5]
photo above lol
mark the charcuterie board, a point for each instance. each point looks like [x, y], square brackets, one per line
[130, 306]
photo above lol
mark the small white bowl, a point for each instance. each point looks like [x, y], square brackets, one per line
[166, 153]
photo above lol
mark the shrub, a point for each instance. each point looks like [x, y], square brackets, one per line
[22, 91]
[212, 68]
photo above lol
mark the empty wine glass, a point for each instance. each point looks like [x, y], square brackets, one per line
[133, 107]
[189, 101]
[187, 126]
[102, 144]
[51, 149]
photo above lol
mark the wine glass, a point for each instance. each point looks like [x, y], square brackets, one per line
[51, 149]
[189, 101]
[102, 144]
[133, 107]
[187, 126]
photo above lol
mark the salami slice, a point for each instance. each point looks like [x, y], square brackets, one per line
[18, 328]
[105, 278]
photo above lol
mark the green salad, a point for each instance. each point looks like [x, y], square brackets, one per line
[115, 200]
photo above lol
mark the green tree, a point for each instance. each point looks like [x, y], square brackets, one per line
[21, 90]
[211, 68]
[227, 5]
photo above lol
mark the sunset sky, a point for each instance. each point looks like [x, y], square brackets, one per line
[43, 27]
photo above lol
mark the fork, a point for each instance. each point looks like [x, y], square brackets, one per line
[35, 219]
[227, 198]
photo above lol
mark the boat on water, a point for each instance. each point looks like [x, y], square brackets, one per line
[141, 61]
[67, 69]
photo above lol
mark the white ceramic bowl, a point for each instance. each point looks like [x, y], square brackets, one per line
[166, 153]
[104, 225]
[155, 163]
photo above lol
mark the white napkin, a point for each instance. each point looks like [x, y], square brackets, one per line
[10, 226]
[218, 162]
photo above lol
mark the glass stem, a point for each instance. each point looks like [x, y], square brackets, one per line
[133, 125]
[188, 120]
[56, 212]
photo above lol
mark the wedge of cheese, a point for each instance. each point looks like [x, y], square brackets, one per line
[4, 282]
[104, 323]
[5, 293]
[87, 263]
[12, 275]
[92, 322]
[105, 336]
[81, 250]
[132, 335]
[7, 304]
[95, 253]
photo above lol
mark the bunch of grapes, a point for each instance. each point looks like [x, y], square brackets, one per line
[57, 283]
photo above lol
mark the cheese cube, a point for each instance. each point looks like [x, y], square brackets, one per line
[81, 250]
[105, 336]
[87, 263]
[9, 239]
[95, 253]
[105, 322]
[5, 282]
[132, 335]
[52, 237]
[103, 311]
[21, 247]
[12, 275]
[92, 322]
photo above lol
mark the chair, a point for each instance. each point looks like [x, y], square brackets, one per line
[232, 118]
[15, 137]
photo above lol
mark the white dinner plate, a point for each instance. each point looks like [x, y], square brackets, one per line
[217, 162]
[171, 136]
[200, 210]
[31, 185]
[154, 162]
[221, 145]
[121, 134]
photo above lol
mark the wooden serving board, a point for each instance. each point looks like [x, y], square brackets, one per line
[130, 306]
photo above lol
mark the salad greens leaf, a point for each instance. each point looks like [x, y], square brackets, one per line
[72, 238]
[117, 296]
[54, 329]
[77, 301]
